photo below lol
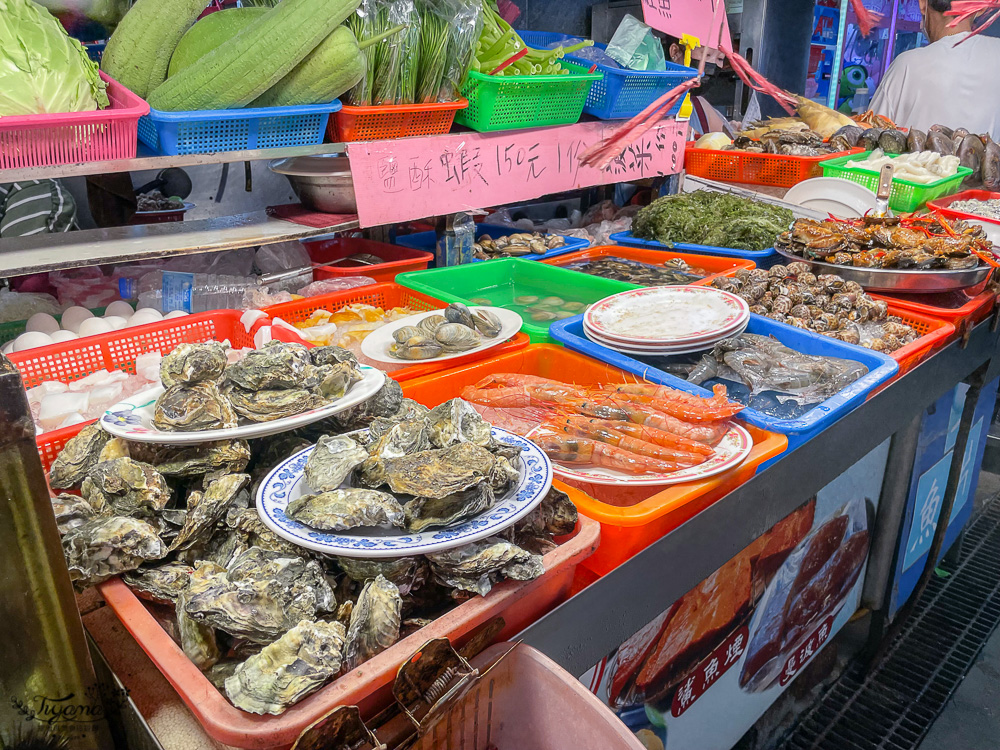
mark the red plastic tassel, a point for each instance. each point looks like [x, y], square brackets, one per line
[867, 19]
[964, 10]
[758, 83]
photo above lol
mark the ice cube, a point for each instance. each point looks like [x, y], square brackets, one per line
[56, 407]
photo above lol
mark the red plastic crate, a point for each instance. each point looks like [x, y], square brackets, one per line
[775, 170]
[384, 121]
[935, 333]
[395, 258]
[959, 308]
[387, 295]
[74, 137]
[944, 204]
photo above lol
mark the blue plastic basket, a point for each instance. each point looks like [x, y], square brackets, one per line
[207, 131]
[763, 258]
[427, 241]
[881, 367]
[621, 93]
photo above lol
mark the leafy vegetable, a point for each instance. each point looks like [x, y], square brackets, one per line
[715, 219]
[43, 70]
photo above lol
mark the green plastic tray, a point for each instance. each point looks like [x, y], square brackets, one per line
[513, 102]
[500, 281]
[905, 195]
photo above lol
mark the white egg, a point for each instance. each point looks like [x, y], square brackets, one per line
[74, 316]
[150, 311]
[174, 314]
[42, 322]
[120, 308]
[115, 321]
[31, 339]
[93, 326]
[144, 317]
[60, 337]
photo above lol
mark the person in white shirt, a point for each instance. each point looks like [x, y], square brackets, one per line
[944, 83]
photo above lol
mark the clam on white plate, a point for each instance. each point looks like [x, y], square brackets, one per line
[132, 419]
[286, 482]
[376, 344]
[730, 452]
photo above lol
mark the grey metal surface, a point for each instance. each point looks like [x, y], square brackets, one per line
[128, 728]
[584, 629]
[321, 183]
[775, 37]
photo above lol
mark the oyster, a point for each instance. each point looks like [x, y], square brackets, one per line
[476, 566]
[337, 380]
[431, 323]
[114, 448]
[504, 475]
[268, 405]
[555, 516]
[425, 513]
[247, 524]
[375, 622]
[456, 312]
[401, 439]
[330, 355]
[190, 408]
[277, 366]
[220, 548]
[198, 640]
[487, 323]
[456, 421]
[289, 669]
[210, 508]
[348, 508]
[332, 460]
[105, 546]
[455, 337]
[71, 511]
[162, 584]
[221, 671]
[230, 456]
[78, 457]
[384, 403]
[193, 363]
[128, 487]
[409, 410]
[439, 473]
[407, 573]
[303, 578]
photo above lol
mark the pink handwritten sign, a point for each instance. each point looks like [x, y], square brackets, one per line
[413, 178]
[695, 17]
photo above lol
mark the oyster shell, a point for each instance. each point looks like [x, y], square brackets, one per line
[247, 524]
[105, 546]
[402, 439]
[198, 640]
[337, 380]
[277, 366]
[457, 421]
[231, 456]
[191, 408]
[268, 405]
[304, 578]
[330, 355]
[556, 515]
[220, 548]
[385, 403]
[332, 460]
[406, 573]
[425, 513]
[409, 410]
[289, 669]
[114, 448]
[77, 458]
[193, 363]
[348, 508]
[221, 671]
[504, 475]
[71, 511]
[456, 312]
[210, 509]
[438, 473]
[162, 584]
[375, 622]
[127, 487]
[476, 566]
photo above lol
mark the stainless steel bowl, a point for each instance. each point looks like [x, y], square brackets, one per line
[895, 279]
[322, 182]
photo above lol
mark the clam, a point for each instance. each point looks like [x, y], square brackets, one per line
[456, 337]
[402, 335]
[431, 323]
[456, 312]
[487, 323]
[422, 346]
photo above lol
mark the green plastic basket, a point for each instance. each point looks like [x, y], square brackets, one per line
[905, 195]
[513, 102]
[503, 281]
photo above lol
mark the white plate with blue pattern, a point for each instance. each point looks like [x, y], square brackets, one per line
[287, 482]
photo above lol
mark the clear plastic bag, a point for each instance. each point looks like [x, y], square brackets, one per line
[392, 61]
[325, 286]
[635, 47]
[281, 256]
[466, 23]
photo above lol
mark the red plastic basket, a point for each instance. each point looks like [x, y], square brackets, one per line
[395, 258]
[944, 204]
[118, 351]
[74, 137]
[368, 686]
[958, 308]
[386, 296]
[775, 170]
[935, 334]
[375, 123]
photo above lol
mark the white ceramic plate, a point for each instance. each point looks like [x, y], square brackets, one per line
[376, 344]
[731, 451]
[286, 482]
[614, 346]
[833, 195]
[132, 419]
[737, 327]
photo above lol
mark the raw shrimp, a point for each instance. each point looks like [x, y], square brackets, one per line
[642, 432]
[709, 433]
[621, 440]
[517, 396]
[678, 403]
[586, 452]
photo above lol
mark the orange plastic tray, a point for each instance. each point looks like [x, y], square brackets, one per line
[368, 686]
[958, 308]
[386, 295]
[936, 333]
[775, 170]
[631, 518]
[715, 266]
[117, 351]
[375, 123]
[395, 258]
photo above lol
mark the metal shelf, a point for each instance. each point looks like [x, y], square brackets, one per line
[90, 247]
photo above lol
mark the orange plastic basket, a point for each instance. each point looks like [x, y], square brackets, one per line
[376, 123]
[387, 295]
[631, 518]
[775, 170]
[714, 265]
[935, 334]
[519, 603]
[958, 308]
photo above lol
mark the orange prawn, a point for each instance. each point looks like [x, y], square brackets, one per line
[626, 442]
[709, 433]
[641, 432]
[678, 403]
[585, 452]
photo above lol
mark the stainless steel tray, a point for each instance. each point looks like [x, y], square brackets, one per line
[898, 280]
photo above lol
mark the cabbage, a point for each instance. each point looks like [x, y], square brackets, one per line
[42, 69]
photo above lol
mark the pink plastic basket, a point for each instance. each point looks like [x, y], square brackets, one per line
[74, 137]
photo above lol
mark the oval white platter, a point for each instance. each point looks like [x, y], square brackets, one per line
[132, 419]
[286, 482]
[376, 344]
[730, 452]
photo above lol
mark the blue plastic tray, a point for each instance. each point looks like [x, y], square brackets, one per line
[621, 93]
[881, 367]
[207, 131]
[763, 258]
[427, 241]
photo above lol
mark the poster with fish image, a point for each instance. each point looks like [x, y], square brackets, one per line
[701, 673]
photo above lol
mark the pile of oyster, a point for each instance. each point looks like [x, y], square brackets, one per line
[458, 329]
[205, 392]
[269, 622]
